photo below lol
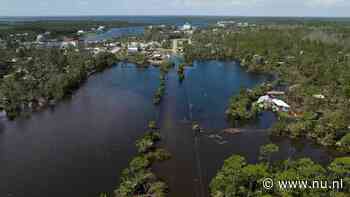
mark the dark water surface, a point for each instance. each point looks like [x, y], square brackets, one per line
[79, 148]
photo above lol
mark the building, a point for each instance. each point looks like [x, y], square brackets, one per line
[80, 32]
[69, 42]
[178, 44]
[225, 23]
[40, 38]
[275, 103]
[186, 26]
[115, 49]
[101, 28]
[133, 47]
[281, 105]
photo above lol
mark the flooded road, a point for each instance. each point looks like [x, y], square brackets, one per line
[80, 147]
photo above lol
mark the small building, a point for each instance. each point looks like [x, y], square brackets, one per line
[101, 28]
[281, 104]
[178, 44]
[186, 26]
[115, 49]
[80, 32]
[276, 104]
[319, 96]
[40, 38]
[69, 43]
[264, 99]
[133, 49]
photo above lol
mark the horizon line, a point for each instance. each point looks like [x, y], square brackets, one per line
[172, 15]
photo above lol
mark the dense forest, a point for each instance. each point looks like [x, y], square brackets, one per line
[40, 77]
[138, 179]
[239, 178]
[312, 62]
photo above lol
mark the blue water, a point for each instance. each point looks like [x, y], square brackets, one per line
[167, 20]
[180, 20]
[80, 147]
[116, 33]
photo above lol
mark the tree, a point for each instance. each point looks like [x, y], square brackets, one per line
[266, 152]
[227, 181]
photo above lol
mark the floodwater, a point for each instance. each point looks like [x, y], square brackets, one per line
[80, 147]
[116, 33]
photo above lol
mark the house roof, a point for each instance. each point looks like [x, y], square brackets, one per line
[264, 98]
[280, 103]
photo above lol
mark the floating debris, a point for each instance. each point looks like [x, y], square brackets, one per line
[232, 130]
[222, 142]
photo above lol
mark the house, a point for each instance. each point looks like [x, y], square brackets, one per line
[264, 99]
[276, 104]
[186, 26]
[101, 28]
[66, 44]
[225, 23]
[178, 44]
[133, 49]
[40, 38]
[281, 105]
[319, 96]
[80, 32]
[115, 49]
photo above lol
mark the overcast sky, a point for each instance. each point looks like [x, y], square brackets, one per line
[325, 8]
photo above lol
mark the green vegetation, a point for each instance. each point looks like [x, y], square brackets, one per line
[238, 178]
[266, 152]
[147, 142]
[181, 72]
[164, 69]
[40, 77]
[241, 106]
[311, 59]
[152, 125]
[137, 58]
[138, 179]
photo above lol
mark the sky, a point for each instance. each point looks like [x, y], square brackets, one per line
[322, 8]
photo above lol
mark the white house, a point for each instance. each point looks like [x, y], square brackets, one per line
[186, 26]
[80, 32]
[133, 47]
[71, 43]
[281, 104]
[115, 50]
[276, 103]
[264, 99]
[101, 28]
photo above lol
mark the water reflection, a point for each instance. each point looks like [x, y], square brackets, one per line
[80, 148]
